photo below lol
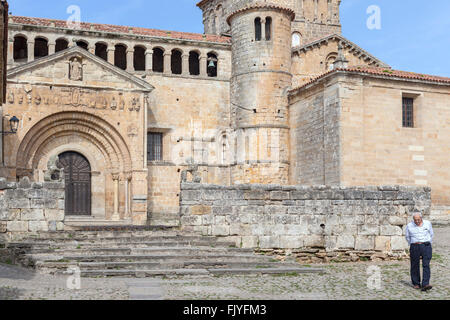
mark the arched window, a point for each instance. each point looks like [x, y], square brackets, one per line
[20, 49]
[61, 44]
[139, 58]
[176, 62]
[194, 63]
[120, 57]
[296, 39]
[158, 60]
[40, 48]
[212, 65]
[82, 44]
[268, 28]
[258, 29]
[101, 50]
[329, 61]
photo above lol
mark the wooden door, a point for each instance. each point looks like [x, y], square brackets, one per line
[77, 172]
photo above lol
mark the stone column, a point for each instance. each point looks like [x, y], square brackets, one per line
[11, 51]
[30, 51]
[203, 69]
[111, 52]
[149, 59]
[130, 60]
[115, 216]
[51, 48]
[316, 9]
[263, 29]
[168, 62]
[185, 64]
[302, 9]
[91, 49]
[127, 195]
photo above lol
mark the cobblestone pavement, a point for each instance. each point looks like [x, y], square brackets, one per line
[341, 281]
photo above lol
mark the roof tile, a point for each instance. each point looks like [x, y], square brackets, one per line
[122, 29]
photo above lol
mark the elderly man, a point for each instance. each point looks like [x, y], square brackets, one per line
[419, 234]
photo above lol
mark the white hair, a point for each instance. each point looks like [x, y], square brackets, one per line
[414, 214]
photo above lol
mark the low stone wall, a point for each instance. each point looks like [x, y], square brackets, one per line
[27, 207]
[312, 222]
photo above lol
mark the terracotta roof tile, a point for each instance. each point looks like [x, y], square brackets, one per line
[381, 72]
[122, 29]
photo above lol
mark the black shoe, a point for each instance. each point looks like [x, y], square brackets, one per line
[426, 288]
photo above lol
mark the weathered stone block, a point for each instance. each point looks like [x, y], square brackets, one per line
[52, 226]
[388, 230]
[314, 241]
[279, 195]
[191, 195]
[383, 243]
[365, 242]
[291, 242]
[274, 209]
[345, 242]
[369, 230]
[38, 226]
[37, 204]
[256, 195]
[17, 226]
[300, 195]
[249, 242]
[3, 226]
[200, 210]
[19, 203]
[32, 214]
[54, 214]
[268, 242]
[191, 220]
[220, 230]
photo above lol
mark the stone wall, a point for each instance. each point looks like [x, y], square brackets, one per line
[324, 221]
[31, 207]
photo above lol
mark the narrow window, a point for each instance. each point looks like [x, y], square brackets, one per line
[194, 65]
[212, 66]
[408, 112]
[154, 146]
[20, 49]
[101, 51]
[158, 60]
[268, 28]
[40, 48]
[258, 29]
[120, 57]
[139, 58]
[83, 45]
[296, 39]
[61, 44]
[176, 62]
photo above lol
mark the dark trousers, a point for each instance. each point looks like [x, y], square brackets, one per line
[417, 251]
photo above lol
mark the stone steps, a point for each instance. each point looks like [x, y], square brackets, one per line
[143, 254]
[140, 251]
[152, 258]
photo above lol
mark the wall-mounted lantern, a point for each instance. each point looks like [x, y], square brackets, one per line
[14, 124]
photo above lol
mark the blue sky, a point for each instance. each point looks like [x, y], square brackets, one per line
[414, 34]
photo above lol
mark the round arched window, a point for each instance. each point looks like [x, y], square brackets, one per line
[296, 39]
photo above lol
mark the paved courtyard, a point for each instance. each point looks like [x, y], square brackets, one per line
[341, 281]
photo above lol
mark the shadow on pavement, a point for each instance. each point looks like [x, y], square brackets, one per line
[7, 293]
[16, 272]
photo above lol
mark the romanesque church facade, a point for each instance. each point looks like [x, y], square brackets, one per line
[271, 93]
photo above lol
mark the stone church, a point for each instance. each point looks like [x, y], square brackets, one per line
[271, 93]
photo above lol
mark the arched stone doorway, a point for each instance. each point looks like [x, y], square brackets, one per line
[77, 172]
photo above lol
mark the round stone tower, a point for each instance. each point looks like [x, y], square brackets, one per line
[261, 64]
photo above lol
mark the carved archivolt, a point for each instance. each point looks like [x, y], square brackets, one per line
[91, 127]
